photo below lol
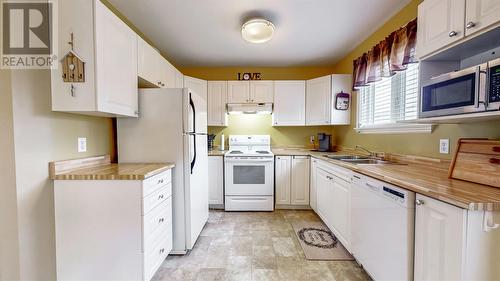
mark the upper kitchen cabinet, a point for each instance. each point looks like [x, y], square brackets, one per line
[199, 86]
[250, 91]
[289, 103]
[321, 100]
[216, 101]
[318, 100]
[261, 91]
[108, 48]
[440, 23]
[154, 70]
[179, 79]
[481, 14]
[238, 92]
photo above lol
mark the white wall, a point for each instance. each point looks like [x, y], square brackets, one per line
[9, 257]
[41, 136]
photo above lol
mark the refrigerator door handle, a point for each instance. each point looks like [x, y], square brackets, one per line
[191, 103]
[193, 162]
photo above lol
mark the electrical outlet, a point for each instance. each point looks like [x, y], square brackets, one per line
[311, 139]
[444, 146]
[82, 144]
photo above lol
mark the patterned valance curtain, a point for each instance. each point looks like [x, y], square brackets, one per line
[387, 57]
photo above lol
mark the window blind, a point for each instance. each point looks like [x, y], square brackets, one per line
[389, 100]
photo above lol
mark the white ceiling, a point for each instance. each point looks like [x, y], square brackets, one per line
[207, 32]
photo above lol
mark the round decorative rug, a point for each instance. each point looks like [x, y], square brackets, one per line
[317, 237]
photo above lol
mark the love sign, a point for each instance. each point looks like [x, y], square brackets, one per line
[249, 76]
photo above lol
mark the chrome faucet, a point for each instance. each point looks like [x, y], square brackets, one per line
[372, 154]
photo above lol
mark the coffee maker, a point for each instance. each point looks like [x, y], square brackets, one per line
[324, 142]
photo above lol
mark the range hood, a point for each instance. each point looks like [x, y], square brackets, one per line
[250, 108]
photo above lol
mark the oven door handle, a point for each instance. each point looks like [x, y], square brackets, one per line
[248, 160]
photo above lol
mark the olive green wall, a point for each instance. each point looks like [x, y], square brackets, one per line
[417, 144]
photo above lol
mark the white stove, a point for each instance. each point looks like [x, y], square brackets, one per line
[249, 174]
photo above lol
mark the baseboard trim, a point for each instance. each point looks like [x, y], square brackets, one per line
[293, 207]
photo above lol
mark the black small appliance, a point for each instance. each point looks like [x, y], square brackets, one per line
[324, 142]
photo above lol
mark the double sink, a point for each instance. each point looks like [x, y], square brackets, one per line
[359, 160]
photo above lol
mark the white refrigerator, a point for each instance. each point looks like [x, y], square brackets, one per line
[172, 127]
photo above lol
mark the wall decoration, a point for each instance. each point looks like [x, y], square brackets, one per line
[73, 68]
[249, 76]
[342, 101]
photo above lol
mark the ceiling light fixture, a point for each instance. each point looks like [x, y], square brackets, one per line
[257, 30]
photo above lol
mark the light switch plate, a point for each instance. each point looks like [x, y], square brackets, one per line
[444, 146]
[82, 144]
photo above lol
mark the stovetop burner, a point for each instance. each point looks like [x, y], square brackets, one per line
[262, 152]
[236, 152]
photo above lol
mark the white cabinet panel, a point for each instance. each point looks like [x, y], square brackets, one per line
[342, 210]
[179, 79]
[215, 180]
[300, 181]
[238, 91]
[313, 186]
[217, 100]
[324, 189]
[440, 23]
[318, 101]
[283, 167]
[169, 76]
[148, 63]
[261, 91]
[199, 86]
[341, 83]
[439, 240]
[289, 103]
[116, 61]
[480, 14]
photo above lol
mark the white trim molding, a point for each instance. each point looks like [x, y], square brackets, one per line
[396, 129]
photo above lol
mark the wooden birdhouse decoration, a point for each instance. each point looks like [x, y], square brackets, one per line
[73, 68]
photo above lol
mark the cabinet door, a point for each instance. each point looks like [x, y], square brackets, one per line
[440, 23]
[340, 217]
[289, 103]
[215, 180]
[169, 76]
[318, 101]
[283, 179]
[217, 99]
[199, 86]
[261, 91]
[300, 181]
[481, 14]
[341, 83]
[148, 67]
[238, 91]
[324, 182]
[440, 231]
[312, 185]
[116, 64]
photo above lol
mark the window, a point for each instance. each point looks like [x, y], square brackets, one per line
[382, 104]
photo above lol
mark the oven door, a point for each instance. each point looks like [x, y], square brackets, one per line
[493, 85]
[454, 93]
[249, 175]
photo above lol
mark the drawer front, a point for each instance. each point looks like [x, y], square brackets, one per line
[335, 170]
[152, 239]
[156, 182]
[154, 258]
[478, 168]
[156, 198]
[157, 218]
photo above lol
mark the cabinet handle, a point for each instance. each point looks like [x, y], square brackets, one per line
[419, 202]
[452, 33]
[162, 250]
[160, 181]
[357, 177]
[161, 220]
[136, 113]
[496, 149]
[470, 25]
[494, 161]
[161, 196]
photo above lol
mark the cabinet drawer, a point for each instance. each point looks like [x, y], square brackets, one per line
[155, 182]
[335, 170]
[156, 198]
[152, 239]
[154, 258]
[158, 217]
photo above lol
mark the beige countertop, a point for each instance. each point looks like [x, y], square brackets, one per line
[100, 168]
[216, 152]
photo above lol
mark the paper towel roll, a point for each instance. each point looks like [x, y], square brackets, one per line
[221, 147]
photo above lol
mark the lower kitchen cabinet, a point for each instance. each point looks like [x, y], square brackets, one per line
[333, 199]
[312, 185]
[215, 180]
[112, 229]
[292, 180]
[455, 244]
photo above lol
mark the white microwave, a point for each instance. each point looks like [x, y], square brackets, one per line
[473, 89]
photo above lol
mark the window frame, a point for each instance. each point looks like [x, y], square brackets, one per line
[398, 127]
